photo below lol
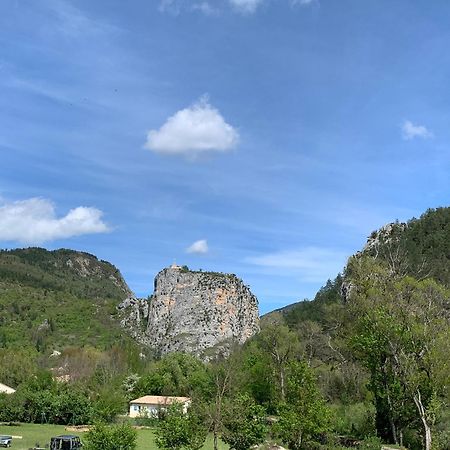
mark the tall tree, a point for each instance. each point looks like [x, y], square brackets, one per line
[178, 430]
[401, 325]
[304, 414]
[281, 344]
[244, 423]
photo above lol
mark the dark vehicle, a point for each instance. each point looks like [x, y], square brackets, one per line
[5, 441]
[65, 442]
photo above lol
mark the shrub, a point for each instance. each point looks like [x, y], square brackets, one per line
[115, 437]
[355, 420]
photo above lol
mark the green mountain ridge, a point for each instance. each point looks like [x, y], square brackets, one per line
[52, 299]
[419, 248]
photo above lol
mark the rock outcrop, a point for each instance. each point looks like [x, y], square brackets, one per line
[202, 313]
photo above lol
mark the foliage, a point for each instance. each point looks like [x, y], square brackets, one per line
[17, 366]
[41, 400]
[179, 430]
[420, 248]
[400, 329]
[116, 437]
[60, 298]
[304, 415]
[175, 374]
[108, 403]
[244, 423]
[315, 310]
[370, 443]
[256, 379]
[356, 420]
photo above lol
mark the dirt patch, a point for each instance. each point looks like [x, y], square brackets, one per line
[79, 428]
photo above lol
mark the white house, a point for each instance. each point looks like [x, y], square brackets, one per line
[150, 405]
[6, 389]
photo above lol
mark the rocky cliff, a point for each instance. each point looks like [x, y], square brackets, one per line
[202, 313]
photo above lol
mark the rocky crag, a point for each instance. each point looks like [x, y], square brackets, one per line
[202, 313]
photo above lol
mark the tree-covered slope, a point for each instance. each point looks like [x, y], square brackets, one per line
[380, 333]
[51, 299]
[419, 248]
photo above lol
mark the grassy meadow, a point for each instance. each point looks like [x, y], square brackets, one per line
[35, 433]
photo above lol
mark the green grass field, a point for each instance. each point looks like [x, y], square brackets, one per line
[33, 433]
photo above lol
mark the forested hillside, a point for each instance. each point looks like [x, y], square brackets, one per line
[378, 335]
[50, 300]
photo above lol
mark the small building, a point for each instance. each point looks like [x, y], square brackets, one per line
[6, 389]
[151, 405]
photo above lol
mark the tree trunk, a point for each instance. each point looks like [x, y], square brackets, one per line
[391, 421]
[282, 384]
[216, 445]
[423, 417]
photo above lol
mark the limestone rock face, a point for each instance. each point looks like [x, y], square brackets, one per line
[201, 313]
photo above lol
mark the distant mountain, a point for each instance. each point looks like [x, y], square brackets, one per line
[51, 299]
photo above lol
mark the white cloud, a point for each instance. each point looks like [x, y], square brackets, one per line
[34, 221]
[198, 247]
[411, 131]
[310, 264]
[246, 6]
[197, 129]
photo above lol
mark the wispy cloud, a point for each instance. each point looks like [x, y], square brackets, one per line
[73, 22]
[309, 264]
[210, 8]
[34, 221]
[206, 8]
[302, 2]
[197, 129]
[411, 131]
[198, 247]
[170, 6]
[246, 6]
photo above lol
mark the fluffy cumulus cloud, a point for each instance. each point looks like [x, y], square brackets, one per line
[246, 6]
[198, 247]
[411, 131]
[197, 129]
[310, 264]
[34, 221]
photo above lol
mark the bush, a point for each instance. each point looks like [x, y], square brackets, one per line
[115, 437]
[244, 423]
[110, 402]
[177, 430]
[355, 420]
[370, 443]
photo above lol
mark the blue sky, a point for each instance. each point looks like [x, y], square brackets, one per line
[265, 138]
